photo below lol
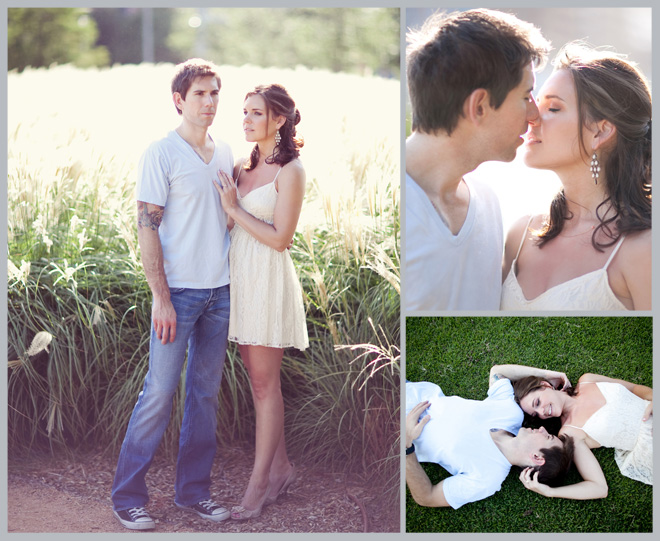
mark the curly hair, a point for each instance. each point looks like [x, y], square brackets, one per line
[278, 103]
[608, 87]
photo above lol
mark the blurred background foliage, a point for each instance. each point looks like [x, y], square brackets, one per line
[362, 41]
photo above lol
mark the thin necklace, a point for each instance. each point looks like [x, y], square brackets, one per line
[577, 234]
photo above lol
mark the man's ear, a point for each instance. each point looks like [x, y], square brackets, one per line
[476, 105]
[538, 459]
[177, 99]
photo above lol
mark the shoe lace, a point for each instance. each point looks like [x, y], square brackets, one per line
[138, 512]
[209, 505]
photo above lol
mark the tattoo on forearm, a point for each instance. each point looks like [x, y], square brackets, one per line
[149, 219]
[497, 377]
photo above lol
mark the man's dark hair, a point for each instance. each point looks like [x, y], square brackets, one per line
[454, 54]
[186, 73]
[558, 460]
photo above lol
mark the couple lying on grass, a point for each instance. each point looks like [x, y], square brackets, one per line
[478, 441]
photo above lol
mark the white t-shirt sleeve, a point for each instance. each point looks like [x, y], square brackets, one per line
[462, 488]
[153, 185]
[502, 389]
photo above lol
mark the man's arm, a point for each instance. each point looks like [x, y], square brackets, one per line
[162, 313]
[423, 492]
[514, 372]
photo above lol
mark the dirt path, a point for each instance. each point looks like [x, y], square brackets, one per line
[72, 494]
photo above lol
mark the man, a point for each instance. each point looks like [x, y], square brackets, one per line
[476, 441]
[182, 231]
[470, 77]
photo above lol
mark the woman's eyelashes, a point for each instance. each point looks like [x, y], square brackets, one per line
[548, 106]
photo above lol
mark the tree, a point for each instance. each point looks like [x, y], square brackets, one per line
[120, 30]
[353, 40]
[42, 36]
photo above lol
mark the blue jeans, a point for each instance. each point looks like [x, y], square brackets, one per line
[202, 323]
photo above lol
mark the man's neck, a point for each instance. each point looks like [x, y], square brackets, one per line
[505, 442]
[195, 136]
[433, 163]
[437, 167]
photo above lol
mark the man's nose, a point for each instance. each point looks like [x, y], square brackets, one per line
[533, 114]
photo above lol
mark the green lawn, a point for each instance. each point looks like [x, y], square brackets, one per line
[457, 353]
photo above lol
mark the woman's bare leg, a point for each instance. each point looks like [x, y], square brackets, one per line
[263, 365]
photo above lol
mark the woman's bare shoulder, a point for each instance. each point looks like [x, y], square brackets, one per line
[293, 171]
[637, 243]
[238, 165]
[520, 227]
[634, 256]
[294, 166]
[572, 431]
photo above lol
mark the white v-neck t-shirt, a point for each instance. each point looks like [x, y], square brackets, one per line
[453, 272]
[458, 438]
[193, 232]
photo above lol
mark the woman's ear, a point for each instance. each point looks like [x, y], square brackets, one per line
[604, 132]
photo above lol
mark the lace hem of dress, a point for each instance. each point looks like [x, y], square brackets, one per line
[246, 343]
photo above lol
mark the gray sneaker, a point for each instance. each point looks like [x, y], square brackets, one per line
[207, 509]
[136, 518]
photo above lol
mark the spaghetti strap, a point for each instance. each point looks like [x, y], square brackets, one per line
[580, 383]
[275, 179]
[522, 241]
[616, 249]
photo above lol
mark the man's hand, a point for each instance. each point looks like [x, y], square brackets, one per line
[531, 482]
[414, 425]
[163, 316]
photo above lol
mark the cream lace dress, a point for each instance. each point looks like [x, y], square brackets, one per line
[266, 297]
[591, 291]
[619, 424]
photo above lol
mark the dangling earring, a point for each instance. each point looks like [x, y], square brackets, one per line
[278, 137]
[595, 168]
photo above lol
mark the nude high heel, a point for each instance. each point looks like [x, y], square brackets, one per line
[285, 486]
[239, 512]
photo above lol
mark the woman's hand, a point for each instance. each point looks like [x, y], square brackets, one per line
[531, 482]
[226, 187]
[648, 412]
[558, 379]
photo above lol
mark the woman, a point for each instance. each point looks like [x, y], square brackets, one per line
[597, 412]
[593, 251]
[267, 312]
